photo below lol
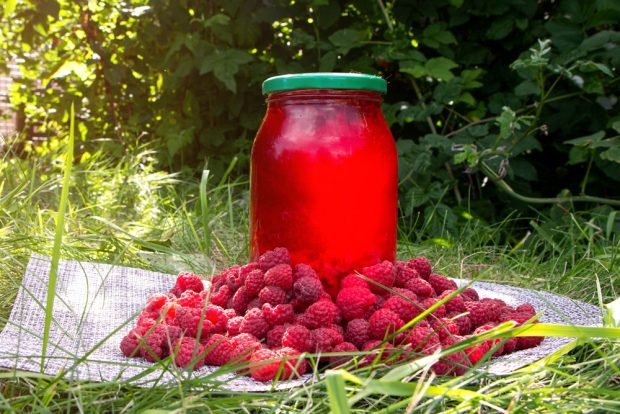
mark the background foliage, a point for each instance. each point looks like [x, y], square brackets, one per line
[496, 106]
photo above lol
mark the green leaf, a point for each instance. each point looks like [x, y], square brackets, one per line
[500, 28]
[328, 61]
[456, 3]
[612, 154]
[346, 39]
[9, 6]
[436, 35]
[469, 78]
[578, 155]
[588, 140]
[612, 316]
[440, 68]
[415, 69]
[616, 126]
[527, 87]
[79, 69]
[590, 66]
[224, 65]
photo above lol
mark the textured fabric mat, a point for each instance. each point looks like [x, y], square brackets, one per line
[96, 305]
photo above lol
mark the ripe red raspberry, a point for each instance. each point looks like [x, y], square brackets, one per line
[294, 364]
[217, 281]
[156, 302]
[221, 296]
[354, 302]
[320, 314]
[455, 304]
[218, 350]
[155, 345]
[494, 344]
[233, 327]
[190, 320]
[326, 338]
[406, 309]
[527, 309]
[494, 308]
[420, 287]
[382, 273]
[519, 317]
[477, 352]
[353, 280]
[462, 321]
[422, 339]
[274, 336]
[453, 364]
[188, 353]
[215, 314]
[342, 347]
[243, 346]
[525, 342]
[254, 303]
[234, 278]
[265, 365]
[404, 274]
[272, 295]
[280, 275]
[383, 323]
[510, 345]
[254, 323]
[130, 344]
[187, 281]
[298, 337]
[147, 319]
[278, 315]
[421, 265]
[274, 257]
[230, 313]
[246, 269]
[191, 299]
[304, 270]
[357, 332]
[441, 283]
[254, 282]
[381, 352]
[470, 294]
[239, 301]
[444, 327]
[439, 312]
[336, 328]
[307, 289]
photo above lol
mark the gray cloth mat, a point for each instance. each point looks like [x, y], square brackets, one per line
[96, 305]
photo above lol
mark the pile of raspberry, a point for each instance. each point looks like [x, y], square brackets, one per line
[265, 315]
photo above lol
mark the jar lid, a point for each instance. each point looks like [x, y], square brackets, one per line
[324, 80]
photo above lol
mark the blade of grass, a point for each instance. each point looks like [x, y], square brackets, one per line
[204, 209]
[60, 222]
[336, 392]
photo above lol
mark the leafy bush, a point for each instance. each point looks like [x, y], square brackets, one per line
[521, 92]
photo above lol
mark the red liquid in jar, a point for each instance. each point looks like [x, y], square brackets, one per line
[324, 181]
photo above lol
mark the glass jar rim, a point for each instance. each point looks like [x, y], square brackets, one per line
[324, 80]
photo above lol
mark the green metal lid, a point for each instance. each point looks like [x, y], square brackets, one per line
[324, 80]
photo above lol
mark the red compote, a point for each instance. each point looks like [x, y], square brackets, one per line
[324, 174]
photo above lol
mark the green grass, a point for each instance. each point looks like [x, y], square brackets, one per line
[126, 211]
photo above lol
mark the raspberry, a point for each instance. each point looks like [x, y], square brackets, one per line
[422, 339]
[476, 352]
[382, 273]
[254, 323]
[510, 345]
[525, 342]
[383, 323]
[441, 283]
[421, 265]
[382, 352]
[494, 308]
[221, 297]
[420, 287]
[254, 303]
[357, 332]
[218, 350]
[321, 313]
[189, 319]
[336, 328]
[130, 344]
[354, 302]
[230, 313]
[215, 314]
[304, 270]
[280, 275]
[342, 347]
[264, 365]
[455, 304]
[470, 294]
[243, 346]
[406, 309]
[191, 299]
[155, 346]
[439, 312]
[274, 257]
[147, 319]
[353, 280]
[248, 268]
[453, 364]
[155, 303]
[187, 281]
[519, 317]
[217, 281]
[307, 289]
[445, 327]
[294, 365]
[272, 295]
[274, 336]
[496, 344]
[298, 337]
[234, 278]
[254, 282]
[527, 309]
[404, 274]
[326, 338]
[239, 301]
[279, 314]
[188, 353]
[233, 327]
[462, 321]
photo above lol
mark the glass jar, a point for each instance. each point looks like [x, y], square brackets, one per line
[323, 175]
